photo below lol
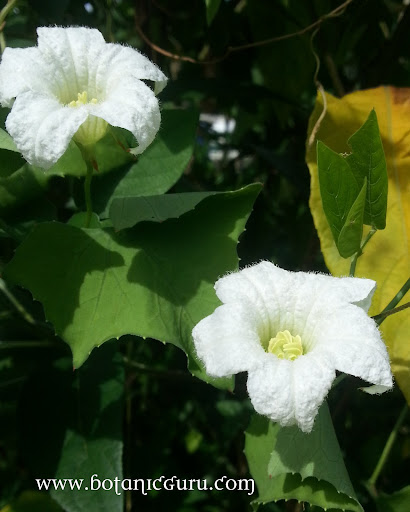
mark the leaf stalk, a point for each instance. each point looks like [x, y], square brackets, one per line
[360, 251]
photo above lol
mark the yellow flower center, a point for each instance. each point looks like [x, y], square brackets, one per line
[286, 346]
[94, 128]
[82, 100]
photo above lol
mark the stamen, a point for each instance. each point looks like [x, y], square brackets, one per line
[82, 99]
[286, 346]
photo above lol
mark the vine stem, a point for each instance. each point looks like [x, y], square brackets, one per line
[3, 15]
[360, 251]
[382, 316]
[387, 448]
[388, 310]
[231, 49]
[5, 11]
[87, 192]
[25, 314]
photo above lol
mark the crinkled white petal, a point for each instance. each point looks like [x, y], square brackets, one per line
[132, 105]
[296, 301]
[74, 54]
[291, 392]
[375, 389]
[227, 341]
[352, 341]
[127, 61]
[263, 287]
[22, 70]
[356, 290]
[67, 63]
[85, 62]
[42, 128]
[268, 278]
[330, 316]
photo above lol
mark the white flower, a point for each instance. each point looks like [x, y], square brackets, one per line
[290, 331]
[71, 85]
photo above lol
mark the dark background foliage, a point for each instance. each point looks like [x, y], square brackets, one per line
[173, 423]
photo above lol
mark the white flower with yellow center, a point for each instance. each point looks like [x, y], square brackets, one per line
[73, 85]
[291, 331]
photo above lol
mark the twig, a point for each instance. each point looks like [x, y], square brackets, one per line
[371, 483]
[379, 318]
[3, 15]
[360, 251]
[320, 89]
[391, 306]
[19, 307]
[232, 49]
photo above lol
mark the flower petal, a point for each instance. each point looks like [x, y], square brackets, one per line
[296, 301]
[124, 60]
[354, 344]
[291, 392]
[133, 106]
[42, 128]
[227, 342]
[358, 291]
[21, 70]
[74, 54]
[262, 287]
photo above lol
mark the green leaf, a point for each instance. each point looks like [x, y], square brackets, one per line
[157, 169]
[212, 7]
[368, 161]
[23, 185]
[351, 234]
[10, 162]
[79, 219]
[125, 212]
[288, 464]
[33, 501]
[396, 502]
[154, 280]
[6, 142]
[72, 428]
[338, 187]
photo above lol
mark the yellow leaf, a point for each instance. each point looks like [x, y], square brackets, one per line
[386, 258]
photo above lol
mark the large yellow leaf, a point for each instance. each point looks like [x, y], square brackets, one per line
[386, 258]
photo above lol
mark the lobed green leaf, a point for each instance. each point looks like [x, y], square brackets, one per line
[155, 280]
[125, 212]
[288, 464]
[73, 428]
[397, 502]
[157, 169]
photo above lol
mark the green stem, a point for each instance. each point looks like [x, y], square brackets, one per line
[382, 316]
[360, 251]
[6, 9]
[3, 15]
[386, 450]
[87, 192]
[25, 314]
[397, 298]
